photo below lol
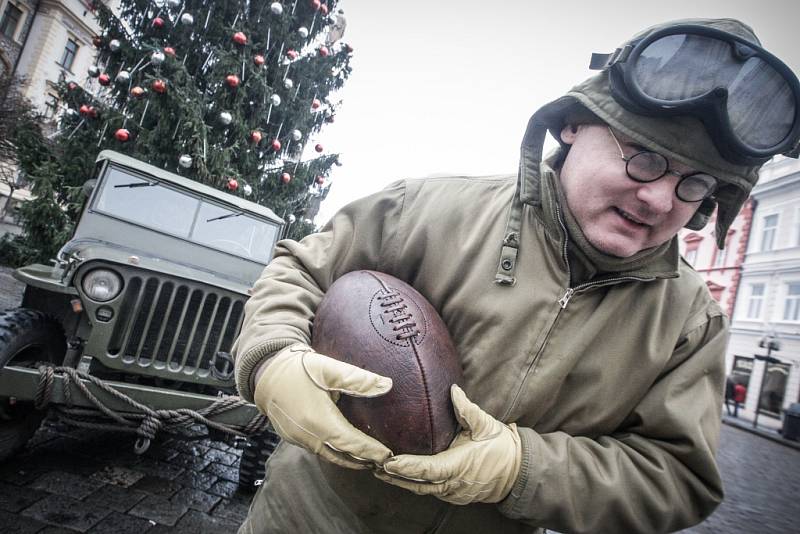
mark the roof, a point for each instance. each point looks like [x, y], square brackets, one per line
[186, 183]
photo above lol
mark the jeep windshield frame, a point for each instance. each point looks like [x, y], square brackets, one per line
[163, 207]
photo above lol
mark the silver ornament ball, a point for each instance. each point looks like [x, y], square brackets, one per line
[174, 4]
[114, 45]
[247, 190]
[303, 31]
[157, 57]
[225, 118]
[275, 99]
[123, 77]
[185, 161]
[288, 83]
[94, 71]
[297, 135]
[276, 8]
[187, 19]
[292, 218]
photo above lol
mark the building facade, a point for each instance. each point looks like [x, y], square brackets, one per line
[16, 17]
[767, 309]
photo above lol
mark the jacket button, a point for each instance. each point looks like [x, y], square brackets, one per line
[506, 265]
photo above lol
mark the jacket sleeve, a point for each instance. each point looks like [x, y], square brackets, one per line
[281, 308]
[656, 473]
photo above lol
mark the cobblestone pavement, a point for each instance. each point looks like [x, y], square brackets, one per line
[762, 486]
[91, 481]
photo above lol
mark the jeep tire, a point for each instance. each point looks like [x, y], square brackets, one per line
[27, 338]
[259, 447]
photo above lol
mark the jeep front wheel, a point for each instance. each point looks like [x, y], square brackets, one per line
[27, 338]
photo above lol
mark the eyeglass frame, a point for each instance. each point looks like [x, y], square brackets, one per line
[667, 170]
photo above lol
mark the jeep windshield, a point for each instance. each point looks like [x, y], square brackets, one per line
[157, 205]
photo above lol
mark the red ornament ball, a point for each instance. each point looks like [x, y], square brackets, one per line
[104, 79]
[324, 9]
[323, 51]
[97, 41]
[292, 53]
[72, 86]
[315, 104]
[122, 135]
[137, 92]
[256, 137]
[348, 48]
[259, 60]
[316, 4]
[84, 110]
[168, 50]
[276, 145]
[232, 184]
[92, 112]
[159, 86]
[286, 177]
[240, 38]
[319, 147]
[320, 180]
[158, 23]
[232, 80]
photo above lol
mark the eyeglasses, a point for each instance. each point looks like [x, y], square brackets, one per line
[646, 166]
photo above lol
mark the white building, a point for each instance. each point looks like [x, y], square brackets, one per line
[768, 301]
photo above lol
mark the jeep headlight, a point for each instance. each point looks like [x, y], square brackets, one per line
[102, 285]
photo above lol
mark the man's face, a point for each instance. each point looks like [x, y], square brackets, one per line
[618, 215]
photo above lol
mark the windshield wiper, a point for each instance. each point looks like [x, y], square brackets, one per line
[136, 184]
[228, 216]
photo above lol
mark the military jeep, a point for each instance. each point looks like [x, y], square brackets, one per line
[140, 309]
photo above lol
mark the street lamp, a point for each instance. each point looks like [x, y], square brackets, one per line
[770, 343]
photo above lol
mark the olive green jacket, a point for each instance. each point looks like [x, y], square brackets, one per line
[615, 384]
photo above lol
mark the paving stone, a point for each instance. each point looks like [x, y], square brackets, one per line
[56, 530]
[117, 498]
[20, 473]
[192, 479]
[226, 472]
[157, 469]
[160, 510]
[196, 499]
[223, 488]
[195, 522]
[122, 524]
[233, 510]
[226, 458]
[190, 447]
[120, 476]
[63, 511]
[14, 498]
[15, 524]
[157, 486]
[190, 461]
[67, 484]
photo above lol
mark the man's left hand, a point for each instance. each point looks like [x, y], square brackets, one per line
[481, 465]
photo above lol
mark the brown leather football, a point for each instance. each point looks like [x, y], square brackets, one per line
[379, 323]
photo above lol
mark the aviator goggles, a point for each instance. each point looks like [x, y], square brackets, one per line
[748, 99]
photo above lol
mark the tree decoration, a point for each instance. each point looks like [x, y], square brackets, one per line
[316, 4]
[320, 180]
[259, 60]
[225, 118]
[276, 8]
[286, 177]
[232, 184]
[158, 23]
[71, 86]
[256, 137]
[315, 104]
[323, 51]
[137, 92]
[174, 4]
[114, 45]
[93, 71]
[157, 57]
[159, 86]
[185, 161]
[97, 41]
[123, 76]
[232, 80]
[247, 190]
[104, 79]
[240, 38]
[318, 147]
[276, 145]
[292, 54]
[275, 99]
[323, 9]
[84, 110]
[122, 135]
[169, 51]
[187, 19]
[297, 135]
[288, 83]
[303, 32]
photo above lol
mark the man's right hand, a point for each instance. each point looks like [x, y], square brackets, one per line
[297, 390]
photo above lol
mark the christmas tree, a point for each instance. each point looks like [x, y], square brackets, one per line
[229, 93]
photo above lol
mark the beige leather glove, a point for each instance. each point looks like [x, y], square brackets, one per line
[481, 465]
[298, 391]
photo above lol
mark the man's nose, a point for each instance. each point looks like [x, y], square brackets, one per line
[659, 195]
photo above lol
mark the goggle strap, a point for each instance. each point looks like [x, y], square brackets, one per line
[793, 153]
[603, 61]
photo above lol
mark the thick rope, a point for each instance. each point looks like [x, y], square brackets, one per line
[143, 420]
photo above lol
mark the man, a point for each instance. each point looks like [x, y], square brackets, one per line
[592, 355]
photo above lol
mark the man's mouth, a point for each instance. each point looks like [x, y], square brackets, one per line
[631, 218]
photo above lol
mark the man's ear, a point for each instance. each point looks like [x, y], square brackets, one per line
[568, 133]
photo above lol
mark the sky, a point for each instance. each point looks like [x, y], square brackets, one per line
[445, 87]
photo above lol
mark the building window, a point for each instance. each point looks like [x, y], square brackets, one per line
[70, 51]
[742, 369]
[51, 106]
[691, 256]
[755, 302]
[791, 307]
[768, 233]
[11, 17]
[774, 389]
